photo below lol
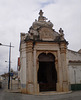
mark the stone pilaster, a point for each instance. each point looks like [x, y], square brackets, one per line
[65, 84]
[23, 64]
[29, 68]
[59, 74]
[36, 87]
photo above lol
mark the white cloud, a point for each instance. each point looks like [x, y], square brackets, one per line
[18, 15]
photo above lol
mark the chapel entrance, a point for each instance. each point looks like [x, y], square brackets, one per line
[47, 75]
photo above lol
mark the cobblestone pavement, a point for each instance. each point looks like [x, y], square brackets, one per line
[10, 95]
[5, 95]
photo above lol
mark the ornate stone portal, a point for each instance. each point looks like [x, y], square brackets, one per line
[43, 58]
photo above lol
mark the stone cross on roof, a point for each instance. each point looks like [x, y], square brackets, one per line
[40, 13]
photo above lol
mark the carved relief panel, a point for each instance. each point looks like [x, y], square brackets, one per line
[46, 34]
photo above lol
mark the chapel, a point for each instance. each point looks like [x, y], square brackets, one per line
[43, 59]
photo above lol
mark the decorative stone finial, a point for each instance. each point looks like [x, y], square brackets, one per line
[61, 31]
[41, 17]
[41, 13]
[61, 34]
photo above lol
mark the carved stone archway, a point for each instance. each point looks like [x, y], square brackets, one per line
[47, 74]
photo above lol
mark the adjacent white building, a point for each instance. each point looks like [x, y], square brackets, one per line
[74, 69]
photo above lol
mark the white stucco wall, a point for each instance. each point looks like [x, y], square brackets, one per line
[75, 74]
[74, 67]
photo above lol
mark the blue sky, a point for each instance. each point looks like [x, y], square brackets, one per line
[17, 16]
[44, 3]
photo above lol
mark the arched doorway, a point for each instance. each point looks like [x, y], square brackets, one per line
[47, 75]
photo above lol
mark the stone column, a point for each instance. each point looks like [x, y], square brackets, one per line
[29, 67]
[65, 85]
